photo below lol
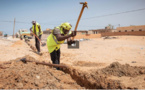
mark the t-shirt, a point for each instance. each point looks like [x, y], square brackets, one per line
[56, 31]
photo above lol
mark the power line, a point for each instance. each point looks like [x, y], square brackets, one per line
[111, 14]
[7, 21]
[24, 22]
[86, 18]
[114, 14]
[107, 15]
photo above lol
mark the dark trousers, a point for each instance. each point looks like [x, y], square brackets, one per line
[37, 43]
[55, 57]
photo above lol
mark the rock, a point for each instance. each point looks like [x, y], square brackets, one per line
[38, 77]
[20, 85]
[133, 61]
[141, 71]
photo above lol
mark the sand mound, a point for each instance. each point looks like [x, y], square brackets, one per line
[21, 75]
[30, 75]
[93, 80]
[87, 64]
[17, 43]
[117, 69]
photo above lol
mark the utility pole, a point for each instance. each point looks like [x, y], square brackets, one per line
[14, 28]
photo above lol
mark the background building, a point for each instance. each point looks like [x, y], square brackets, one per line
[82, 32]
[99, 31]
[131, 28]
[47, 31]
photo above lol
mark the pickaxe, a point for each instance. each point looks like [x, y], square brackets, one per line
[84, 5]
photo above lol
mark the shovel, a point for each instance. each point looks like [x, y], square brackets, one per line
[24, 60]
[42, 43]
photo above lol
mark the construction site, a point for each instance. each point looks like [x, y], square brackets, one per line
[105, 58]
[98, 64]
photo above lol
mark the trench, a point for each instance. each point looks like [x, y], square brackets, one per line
[93, 80]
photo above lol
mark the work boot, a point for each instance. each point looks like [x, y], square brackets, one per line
[39, 53]
[57, 68]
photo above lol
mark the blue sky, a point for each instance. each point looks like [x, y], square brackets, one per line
[51, 13]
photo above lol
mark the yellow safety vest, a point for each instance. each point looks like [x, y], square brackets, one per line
[53, 43]
[37, 29]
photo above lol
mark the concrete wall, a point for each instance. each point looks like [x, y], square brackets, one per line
[81, 32]
[90, 32]
[136, 33]
[131, 28]
[88, 36]
[99, 31]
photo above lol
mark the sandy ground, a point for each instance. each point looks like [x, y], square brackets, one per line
[125, 49]
[93, 55]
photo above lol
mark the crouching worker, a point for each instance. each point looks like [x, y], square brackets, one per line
[56, 38]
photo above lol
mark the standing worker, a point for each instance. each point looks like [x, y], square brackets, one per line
[57, 37]
[36, 29]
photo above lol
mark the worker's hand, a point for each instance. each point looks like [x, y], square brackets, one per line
[74, 33]
[70, 42]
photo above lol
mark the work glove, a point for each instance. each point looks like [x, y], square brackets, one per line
[70, 42]
[74, 33]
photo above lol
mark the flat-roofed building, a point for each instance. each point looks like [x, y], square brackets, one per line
[131, 28]
[99, 31]
[47, 31]
[82, 32]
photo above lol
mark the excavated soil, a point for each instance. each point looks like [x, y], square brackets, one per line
[87, 64]
[116, 69]
[19, 75]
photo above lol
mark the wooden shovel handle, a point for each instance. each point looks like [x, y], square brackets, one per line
[84, 5]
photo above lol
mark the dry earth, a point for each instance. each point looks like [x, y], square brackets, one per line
[98, 63]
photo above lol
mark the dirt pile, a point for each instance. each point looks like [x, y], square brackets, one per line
[21, 75]
[93, 80]
[30, 75]
[17, 43]
[117, 69]
[86, 64]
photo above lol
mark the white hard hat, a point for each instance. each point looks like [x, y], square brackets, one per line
[33, 21]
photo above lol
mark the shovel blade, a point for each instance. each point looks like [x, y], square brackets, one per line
[43, 44]
[74, 45]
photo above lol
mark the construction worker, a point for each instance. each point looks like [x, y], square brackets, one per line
[36, 29]
[57, 37]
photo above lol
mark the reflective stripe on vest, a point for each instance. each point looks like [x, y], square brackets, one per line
[61, 32]
[53, 43]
